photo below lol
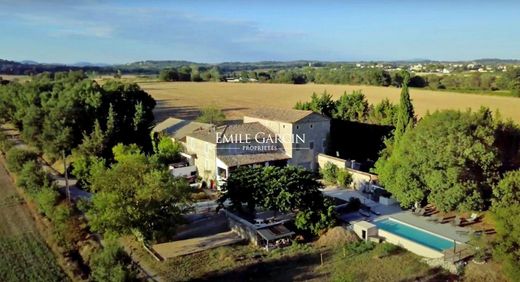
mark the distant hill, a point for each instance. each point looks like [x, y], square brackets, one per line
[20, 68]
[88, 64]
[154, 66]
[492, 61]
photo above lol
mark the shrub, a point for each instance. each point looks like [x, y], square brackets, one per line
[329, 172]
[67, 229]
[46, 199]
[387, 249]
[212, 114]
[360, 247]
[344, 178]
[315, 221]
[6, 145]
[111, 263]
[32, 177]
[17, 157]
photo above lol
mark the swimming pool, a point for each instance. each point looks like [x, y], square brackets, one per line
[414, 234]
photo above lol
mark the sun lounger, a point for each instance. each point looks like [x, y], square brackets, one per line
[473, 218]
[375, 212]
[419, 212]
[364, 213]
[457, 221]
[432, 219]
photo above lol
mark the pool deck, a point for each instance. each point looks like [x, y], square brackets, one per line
[446, 230]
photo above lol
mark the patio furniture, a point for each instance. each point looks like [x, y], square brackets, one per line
[364, 213]
[419, 212]
[446, 219]
[462, 232]
[457, 221]
[375, 212]
[473, 218]
[259, 221]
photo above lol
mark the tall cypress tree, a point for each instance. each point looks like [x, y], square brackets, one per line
[406, 113]
[405, 121]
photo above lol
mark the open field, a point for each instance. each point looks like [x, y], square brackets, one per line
[25, 256]
[183, 99]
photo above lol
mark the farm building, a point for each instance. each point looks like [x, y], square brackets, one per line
[266, 137]
[177, 129]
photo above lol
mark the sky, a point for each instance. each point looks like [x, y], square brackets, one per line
[55, 31]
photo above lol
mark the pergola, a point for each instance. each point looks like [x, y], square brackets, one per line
[273, 233]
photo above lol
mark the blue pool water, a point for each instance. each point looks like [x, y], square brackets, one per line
[414, 234]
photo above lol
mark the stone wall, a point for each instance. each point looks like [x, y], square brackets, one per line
[205, 157]
[360, 179]
[242, 227]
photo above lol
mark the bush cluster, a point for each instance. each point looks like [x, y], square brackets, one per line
[332, 174]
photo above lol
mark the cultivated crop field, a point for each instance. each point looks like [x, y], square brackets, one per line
[24, 254]
[183, 99]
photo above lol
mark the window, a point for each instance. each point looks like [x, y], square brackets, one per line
[297, 127]
[311, 125]
[311, 145]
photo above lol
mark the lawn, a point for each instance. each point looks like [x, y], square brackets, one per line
[242, 262]
[25, 256]
[373, 266]
[184, 99]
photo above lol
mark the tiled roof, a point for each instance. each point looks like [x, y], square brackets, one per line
[246, 159]
[283, 115]
[244, 130]
[179, 128]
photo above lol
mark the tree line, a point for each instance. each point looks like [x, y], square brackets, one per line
[351, 107]
[508, 81]
[457, 161]
[191, 73]
[105, 131]
[60, 112]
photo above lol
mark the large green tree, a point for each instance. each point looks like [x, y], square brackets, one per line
[287, 189]
[132, 195]
[352, 107]
[322, 104]
[448, 158]
[383, 113]
[405, 114]
[506, 212]
[58, 112]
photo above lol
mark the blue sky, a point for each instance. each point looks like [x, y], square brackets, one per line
[216, 31]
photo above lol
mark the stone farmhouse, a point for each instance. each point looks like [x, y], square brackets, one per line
[266, 137]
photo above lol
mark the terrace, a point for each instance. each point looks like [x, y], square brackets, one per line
[374, 212]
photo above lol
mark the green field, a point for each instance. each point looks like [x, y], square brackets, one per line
[24, 254]
[26, 257]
